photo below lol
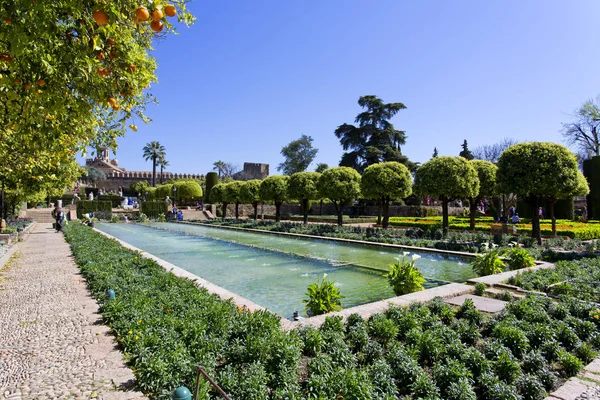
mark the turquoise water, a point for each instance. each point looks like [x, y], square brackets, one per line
[274, 271]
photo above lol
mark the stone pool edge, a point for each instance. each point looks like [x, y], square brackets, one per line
[365, 310]
[353, 241]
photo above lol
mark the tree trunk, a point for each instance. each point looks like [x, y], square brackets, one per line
[237, 214]
[154, 171]
[473, 208]
[551, 210]
[444, 215]
[305, 207]
[321, 209]
[504, 215]
[3, 209]
[535, 220]
[386, 213]
[339, 209]
[277, 211]
[161, 174]
[224, 210]
[379, 211]
[255, 205]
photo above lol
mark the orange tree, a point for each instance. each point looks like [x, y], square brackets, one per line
[73, 74]
[446, 178]
[537, 171]
[486, 172]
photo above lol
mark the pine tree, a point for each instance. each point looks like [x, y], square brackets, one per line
[466, 153]
[435, 152]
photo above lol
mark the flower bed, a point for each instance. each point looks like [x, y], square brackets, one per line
[572, 229]
[166, 326]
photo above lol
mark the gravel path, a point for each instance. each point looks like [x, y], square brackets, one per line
[52, 341]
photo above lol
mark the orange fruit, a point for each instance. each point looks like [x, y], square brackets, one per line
[27, 86]
[116, 107]
[170, 10]
[157, 15]
[8, 21]
[100, 55]
[18, 81]
[112, 101]
[101, 17]
[142, 13]
[42, 82]
[156, 26]
[132, 67]
[133, 127]
[5, 57]
[110, 41]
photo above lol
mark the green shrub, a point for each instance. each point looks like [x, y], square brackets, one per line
[114, 199]
[488, 263]
[323, 297]
[479, 288]
[404, 277]
[570, 364]
[507, 367]
[115, 219]
[153, 209]
[102, 209]
[518, 258]
[512, 337]
[585, 353]
[446, 373]
[491, 388]
[382, 328]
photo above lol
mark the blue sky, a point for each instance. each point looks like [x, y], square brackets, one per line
[250, 76]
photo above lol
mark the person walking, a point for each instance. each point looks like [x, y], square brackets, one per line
[59, 216]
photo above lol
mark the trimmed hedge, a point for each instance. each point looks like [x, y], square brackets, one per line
[114, 199]
[103, 209]
[324, 218]
[153, 209]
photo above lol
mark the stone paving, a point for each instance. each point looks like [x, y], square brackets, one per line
[52, 341]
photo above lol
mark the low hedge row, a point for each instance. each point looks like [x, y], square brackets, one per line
[102, 209]
[114, 199]
[324, 218]
[153, 209]
[166, 326]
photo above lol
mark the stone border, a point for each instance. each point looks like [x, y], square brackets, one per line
[499, 279]
[7, 256]
[576, 386]
[365, 310]
[332, 239]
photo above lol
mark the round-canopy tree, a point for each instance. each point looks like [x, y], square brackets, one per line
[535, 171]
[217, 195]
[187, 191]
[303, 186]
[386, 182]
[446, 178]
[274, 188]
[250, 193]
[233, 194]
[341, 185]
[164, 190]
[486, 172]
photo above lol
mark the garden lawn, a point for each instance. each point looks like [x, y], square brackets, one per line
[166, 326]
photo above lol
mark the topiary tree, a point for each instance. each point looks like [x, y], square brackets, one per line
[446, 178]
[303, 186]
[274, 188]
[341, 185]
[212, 178]
[217, 196]
[187, 191]
[386, 182]
[250, 193]
[232, 194]
[581, 189]
[486, 172]
[139, 187]
[535, 171]
[164, 190]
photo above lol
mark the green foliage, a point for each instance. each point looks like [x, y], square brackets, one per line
[447, 177]
[298, 155]
[114, 199]
[164, 190]
[153, 209]
[387, 180]
[479, 288]
[323, 297]
[188, 191]
[250, 192]
[569, 363]
[488, 263]
[232, 192]
[340, 184]
[303, 185]
[212, 178]
[274, 188]
[102, 208]
[486, 172]
[517, 258]
[404, 277]
[140, 187]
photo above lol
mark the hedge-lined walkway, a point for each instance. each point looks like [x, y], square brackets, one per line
[52, 341]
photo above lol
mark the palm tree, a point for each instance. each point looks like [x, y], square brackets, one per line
[220, 167]
[162, 161]
[153, 150]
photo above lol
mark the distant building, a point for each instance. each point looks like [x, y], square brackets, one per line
[117, 176]
[252, 171]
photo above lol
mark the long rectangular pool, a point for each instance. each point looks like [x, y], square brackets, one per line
[274, 271]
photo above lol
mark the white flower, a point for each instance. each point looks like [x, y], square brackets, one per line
[494, 245]
[405, 253]
[324, 276]
[415, 257]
